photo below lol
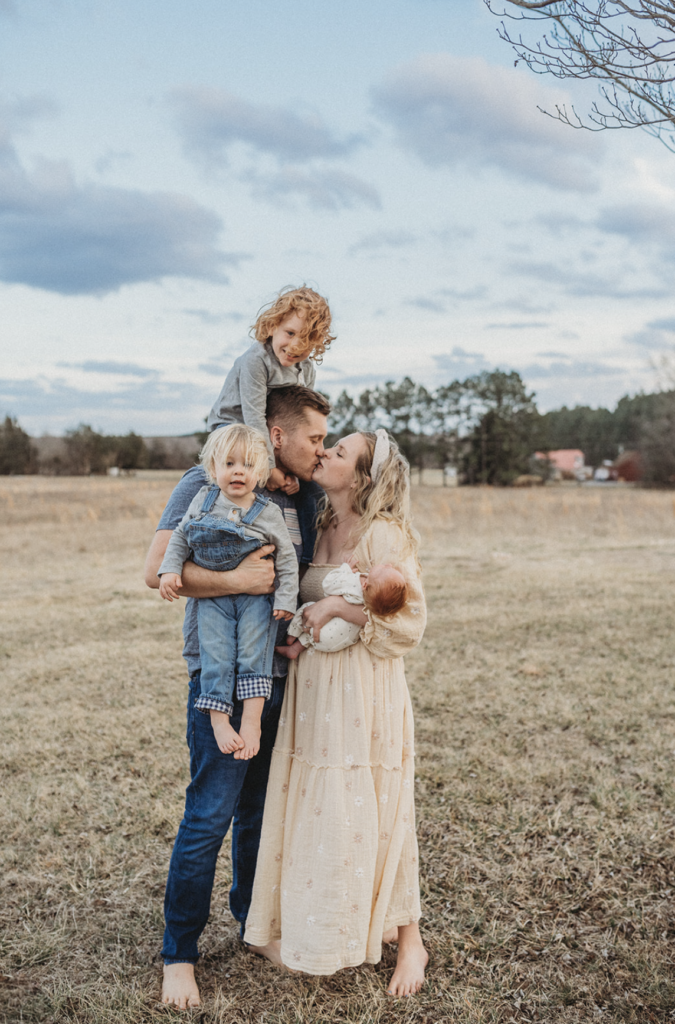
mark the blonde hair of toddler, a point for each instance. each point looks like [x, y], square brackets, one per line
[236, 438]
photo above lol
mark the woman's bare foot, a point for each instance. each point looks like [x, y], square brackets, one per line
[408, 977]
[179, 987]
[227, 738]
[272, 952]
[390, 936]
[290, 651]
[249, 730]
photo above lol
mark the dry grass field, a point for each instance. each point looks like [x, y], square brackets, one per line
[545, 712]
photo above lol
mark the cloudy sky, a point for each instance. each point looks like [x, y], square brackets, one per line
[166, 166]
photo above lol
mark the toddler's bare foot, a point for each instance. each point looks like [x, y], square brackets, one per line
[412, 960]
[249, 730]
[179, 987]
[227, 738]
[250, 734]
[290, 650]
[391, 935]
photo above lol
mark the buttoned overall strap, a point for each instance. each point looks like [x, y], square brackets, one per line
[259, 503]
[210, 498]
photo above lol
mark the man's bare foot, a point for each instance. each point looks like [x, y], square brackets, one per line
[179, 987]
[227, 738]
[408, 977]
[249, 730]
[290, 651]
[272, 952]
[390, 936]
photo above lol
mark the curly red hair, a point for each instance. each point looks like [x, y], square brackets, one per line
[315, 312]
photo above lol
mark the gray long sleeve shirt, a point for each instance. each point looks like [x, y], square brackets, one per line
[269, 527]
[243, 397]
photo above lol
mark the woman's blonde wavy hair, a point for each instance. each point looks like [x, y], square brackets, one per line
[388, 499]
[312, 307]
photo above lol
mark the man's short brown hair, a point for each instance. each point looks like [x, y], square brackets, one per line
[286, 406]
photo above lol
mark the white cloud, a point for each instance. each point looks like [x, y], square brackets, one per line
[641, 222]
[211, 120]
[451, 110]
[75, 238]
[379, 241]
[322, 189]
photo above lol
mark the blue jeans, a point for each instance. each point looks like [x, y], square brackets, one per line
[222, 789]
[237, 635]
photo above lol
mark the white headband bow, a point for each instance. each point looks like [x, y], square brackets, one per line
[380, 455]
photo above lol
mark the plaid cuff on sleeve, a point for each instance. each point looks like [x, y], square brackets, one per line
[206, 704]
[254, 686]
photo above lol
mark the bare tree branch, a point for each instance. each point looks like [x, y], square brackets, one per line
[628, 46]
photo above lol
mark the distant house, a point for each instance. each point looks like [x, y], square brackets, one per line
[568, 463]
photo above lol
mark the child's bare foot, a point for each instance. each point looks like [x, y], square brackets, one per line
[290, 650]
[179, 987]
[408, 977]
[391, 935]
[249, 730]
[227, 738]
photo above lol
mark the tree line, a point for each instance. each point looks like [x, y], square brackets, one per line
[487, 426]
[84, 451]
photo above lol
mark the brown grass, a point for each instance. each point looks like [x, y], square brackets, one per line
[546, 746]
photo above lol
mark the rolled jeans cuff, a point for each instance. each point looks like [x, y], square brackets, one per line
[254, 686]
[206, 704]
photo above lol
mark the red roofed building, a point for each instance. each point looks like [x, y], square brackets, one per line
[566, 461]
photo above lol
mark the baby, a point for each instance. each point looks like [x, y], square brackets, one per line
[292, 335]
[224, 523]
[382, 590]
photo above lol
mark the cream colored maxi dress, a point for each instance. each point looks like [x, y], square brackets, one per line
[338, 855]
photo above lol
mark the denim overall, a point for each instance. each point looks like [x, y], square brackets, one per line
[236, 632]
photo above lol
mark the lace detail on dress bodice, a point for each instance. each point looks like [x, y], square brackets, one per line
[311, 585]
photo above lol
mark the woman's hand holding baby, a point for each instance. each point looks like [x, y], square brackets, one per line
[281, 614]
[169, 585]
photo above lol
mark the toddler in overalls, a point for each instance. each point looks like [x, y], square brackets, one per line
[292, 335]
[223, 524]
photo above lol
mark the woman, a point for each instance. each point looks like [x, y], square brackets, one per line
[337, 869]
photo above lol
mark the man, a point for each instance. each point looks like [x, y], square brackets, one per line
[224, 789]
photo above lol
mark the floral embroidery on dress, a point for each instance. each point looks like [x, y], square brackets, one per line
[349, 760]
[328, 716]
[358, 800]
[302, 716]
[357, 723]
[359, 872]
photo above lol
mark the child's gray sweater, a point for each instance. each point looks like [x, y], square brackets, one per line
[269, 527]
[243, 397]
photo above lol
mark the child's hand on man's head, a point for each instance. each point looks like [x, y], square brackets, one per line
[276, 480]
[169, 585]
[281, 614]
